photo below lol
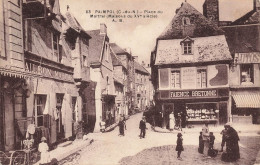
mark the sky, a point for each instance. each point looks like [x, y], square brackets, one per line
[139, 34]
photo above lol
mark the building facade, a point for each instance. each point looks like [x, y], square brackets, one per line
[244, 44]
[102, 106]
[190, 70]
[128, 61]
[142, 99]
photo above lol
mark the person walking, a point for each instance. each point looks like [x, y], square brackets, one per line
[205, 138]
[142, 127]
[122, 127]
[201, 144]
[179, 147]
[224, 134]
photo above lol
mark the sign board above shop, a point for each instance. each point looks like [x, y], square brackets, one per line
[190, 94]
[246, 58]
[48, 72]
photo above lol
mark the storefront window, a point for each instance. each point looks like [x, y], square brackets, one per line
[39, 104]
[201, 78]
[247, 74]
[175, 79]
[164, 78]
[201, 111]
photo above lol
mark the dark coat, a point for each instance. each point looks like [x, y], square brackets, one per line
[179, 146]
[121, 125]
[232, 143]
[142, 124]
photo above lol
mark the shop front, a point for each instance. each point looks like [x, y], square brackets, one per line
[246, 106]
[195, 106]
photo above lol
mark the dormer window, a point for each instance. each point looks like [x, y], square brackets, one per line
[187, 46]
[186, 21]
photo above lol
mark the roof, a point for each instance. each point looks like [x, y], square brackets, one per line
[118, 50]
[140, 68]
[252, 17]
[73, 23]
[205, 49]
[199, 25]
[96, 44]
[242, 39]
[115, 60]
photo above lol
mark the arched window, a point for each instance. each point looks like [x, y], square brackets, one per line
[186, 21]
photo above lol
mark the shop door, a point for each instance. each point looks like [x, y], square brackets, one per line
[59, 125]
[1, 121]
[167, 110]
[223, 116]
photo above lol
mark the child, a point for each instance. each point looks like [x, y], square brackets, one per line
[201, 144]
[224, 134]
[211, 140]
[179, 146]
[43, 149]
[212, 152]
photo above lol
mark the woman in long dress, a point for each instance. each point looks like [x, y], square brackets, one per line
[172, 121]
[232, 146]
[44, 150]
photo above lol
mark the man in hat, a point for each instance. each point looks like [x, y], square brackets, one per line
[224, 134]
[142, 127]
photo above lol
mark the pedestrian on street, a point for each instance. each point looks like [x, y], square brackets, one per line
[224, 134]
[232, 147]
[179, 146]
[44, 150]
[172, 121]
[201, 144]
[142, 127]
[121, 125]
[205, 138]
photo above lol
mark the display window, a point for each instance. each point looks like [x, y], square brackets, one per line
[201, 111]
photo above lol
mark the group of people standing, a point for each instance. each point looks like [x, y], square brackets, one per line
[229, 138]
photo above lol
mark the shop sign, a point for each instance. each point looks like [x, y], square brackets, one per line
[190, 94]
[252, 57]
[47, 72]
[188, 76]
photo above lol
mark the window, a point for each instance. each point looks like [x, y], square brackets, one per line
[85, 60]
[39, 105]
[57, 48]
[247, 74]
[201, 78]
[185, 21]
[59, 128]
[187, 48]
[20, 103]
[175, 79]
[164, 78]
[73, 104]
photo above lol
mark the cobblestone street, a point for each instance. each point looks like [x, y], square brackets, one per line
[156, 148]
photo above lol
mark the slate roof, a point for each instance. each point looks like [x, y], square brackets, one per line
[140, 68]
[200, 26]
[96, 44]
[118, 50]
[115, 60]
[205, 49]
[242, 39]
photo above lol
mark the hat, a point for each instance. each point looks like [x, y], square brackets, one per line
[228, 124]
[179, 135]
[43, 139]
[143, 117]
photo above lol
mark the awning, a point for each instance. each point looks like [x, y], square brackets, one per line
[247, 101]
[17, 73]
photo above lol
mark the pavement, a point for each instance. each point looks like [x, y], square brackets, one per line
[111, 139]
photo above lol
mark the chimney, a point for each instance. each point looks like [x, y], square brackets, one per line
[257, 5]
[103, 28]
[211, 10]
[128, 50]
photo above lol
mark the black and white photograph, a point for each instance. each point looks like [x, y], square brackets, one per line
[129, 82]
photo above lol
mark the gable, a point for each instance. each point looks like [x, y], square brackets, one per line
[189, 22]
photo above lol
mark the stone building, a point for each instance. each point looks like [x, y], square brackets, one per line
[190, 70]
[244, 43]
[128, 61]
[102, 98]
